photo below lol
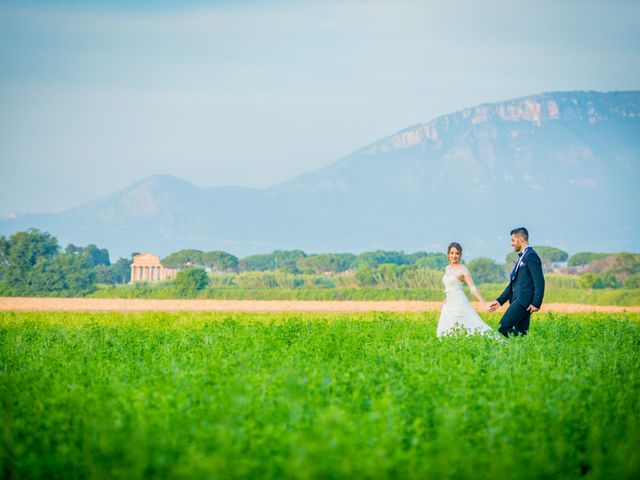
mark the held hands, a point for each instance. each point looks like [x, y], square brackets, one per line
[493, 306]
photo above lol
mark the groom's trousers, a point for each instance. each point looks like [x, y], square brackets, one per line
[515, 320]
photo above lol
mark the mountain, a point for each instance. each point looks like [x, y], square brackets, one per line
[564, 164]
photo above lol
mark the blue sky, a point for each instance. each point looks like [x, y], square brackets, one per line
[94, 96]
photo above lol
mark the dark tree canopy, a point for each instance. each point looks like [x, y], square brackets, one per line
[95, 255]
[220, 261]
[278, 260]
[184, 258]
[121, 270]
[215, 260]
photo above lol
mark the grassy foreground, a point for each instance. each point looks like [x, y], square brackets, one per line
[211, 395]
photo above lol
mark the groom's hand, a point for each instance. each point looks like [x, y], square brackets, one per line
[493, 306]
[532, 309]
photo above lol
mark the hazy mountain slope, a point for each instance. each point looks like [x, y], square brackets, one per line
[564, 164]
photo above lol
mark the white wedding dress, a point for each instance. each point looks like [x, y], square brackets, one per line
[457, 313]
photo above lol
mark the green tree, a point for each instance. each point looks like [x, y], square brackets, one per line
[378, 257]
[31, 264]
[278, 260]
[4, 255]
[121, 270]
[96, 256]
[433, 261]
[594, 280]
[365, 276]
[257, 263]
[607, 280]
[23, 251]
[584, 258]
[220, 261]
[414, 257]
[619, 265]
[103, 274]
[190, 281]
[184, 258]
[65, 274]
[287, 260]
[327, 262]
[485, 270]
[588, 280]
[551, 255]
[389, 274]
[632, 281]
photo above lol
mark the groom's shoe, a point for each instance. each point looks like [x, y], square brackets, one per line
[506, 331]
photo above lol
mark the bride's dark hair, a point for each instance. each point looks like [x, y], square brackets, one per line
[454, 245]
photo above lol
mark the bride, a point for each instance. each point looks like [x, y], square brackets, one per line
[457, 312]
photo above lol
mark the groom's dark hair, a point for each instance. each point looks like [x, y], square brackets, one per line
[521, 232]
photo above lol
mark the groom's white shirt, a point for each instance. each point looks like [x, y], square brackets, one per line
[520, 260]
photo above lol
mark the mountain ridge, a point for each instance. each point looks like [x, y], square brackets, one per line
[471, 175]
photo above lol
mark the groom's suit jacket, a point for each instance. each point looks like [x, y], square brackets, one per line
[527, 285]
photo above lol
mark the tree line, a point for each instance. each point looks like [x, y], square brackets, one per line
[33, 263]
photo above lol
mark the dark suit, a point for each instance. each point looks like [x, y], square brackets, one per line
[526, 287]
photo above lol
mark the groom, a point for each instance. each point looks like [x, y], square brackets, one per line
[525, 289]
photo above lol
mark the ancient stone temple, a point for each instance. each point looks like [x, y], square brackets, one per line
[146, 267]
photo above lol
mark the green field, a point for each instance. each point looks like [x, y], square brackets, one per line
[609, 296]
[211, 395]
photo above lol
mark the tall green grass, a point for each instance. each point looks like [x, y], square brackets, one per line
[214, 395]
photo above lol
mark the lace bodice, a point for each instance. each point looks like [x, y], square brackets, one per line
[451, 282]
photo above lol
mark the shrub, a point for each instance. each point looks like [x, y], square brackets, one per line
[190, 281]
